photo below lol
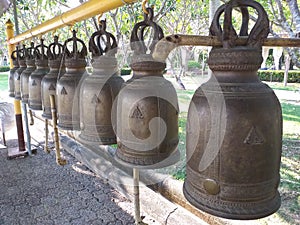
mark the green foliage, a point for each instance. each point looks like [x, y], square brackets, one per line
[193, 64]
[4, 68]
[278, 75]
[125, 71]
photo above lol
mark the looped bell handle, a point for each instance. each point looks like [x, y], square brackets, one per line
[75, 52]
[30, 52]
[228, 36]
[110, 43]
[137, 35]
[40, 51]
[14, 55]
[55, 49]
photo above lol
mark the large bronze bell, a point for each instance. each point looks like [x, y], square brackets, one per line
[67, 86]
[30, 62]
[57, 68]
[35, 79]
[99, 90]
[22, 66]
[147, 107]
[234, 127]
[11, 78]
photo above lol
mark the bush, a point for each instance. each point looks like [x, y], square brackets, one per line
[4, 68]
[278, 75]
[193, 64]
[125, 71]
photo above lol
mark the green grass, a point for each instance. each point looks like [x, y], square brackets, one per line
[280, 86]
[3, 81]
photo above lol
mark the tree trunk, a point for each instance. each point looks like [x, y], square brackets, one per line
[293, 6]
[286, 70]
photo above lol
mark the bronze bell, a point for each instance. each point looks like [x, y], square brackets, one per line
[99, 90]
[67, 86]
[147, 107]
[27, 72]
[35, 79]
[57, 68]
[22, 66]
[11, 78]
[234, 127]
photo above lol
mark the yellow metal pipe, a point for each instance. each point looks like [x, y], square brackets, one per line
[17, 103]
[82, 12]
[10, 34]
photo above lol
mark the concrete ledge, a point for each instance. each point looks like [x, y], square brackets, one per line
[170, 205]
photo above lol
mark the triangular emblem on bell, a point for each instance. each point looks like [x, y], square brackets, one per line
[254, 137]
[63, 91]
[137, 113]
[95, 99]
[52, 87]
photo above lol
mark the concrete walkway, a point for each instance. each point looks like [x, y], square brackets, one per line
[35, 190]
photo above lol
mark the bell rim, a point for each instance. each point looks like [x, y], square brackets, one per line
[266, 207]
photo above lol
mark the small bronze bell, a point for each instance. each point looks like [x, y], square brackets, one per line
[67, 86]
[57, 68]
[234, 127]
[35, 79]
[98, 91]
[27, 72]
[21, 53]
[147, 107]
[11, 78]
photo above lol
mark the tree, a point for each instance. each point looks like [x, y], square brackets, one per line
[285, 15]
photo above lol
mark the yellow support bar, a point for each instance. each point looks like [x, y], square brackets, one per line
[82, 12]
[9, 35]
[17, 103]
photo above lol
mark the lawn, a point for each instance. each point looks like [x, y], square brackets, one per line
[3, 81]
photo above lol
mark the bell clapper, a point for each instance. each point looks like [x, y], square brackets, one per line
[136, 200]
[59, 160]
[31, 117]
[46, 149]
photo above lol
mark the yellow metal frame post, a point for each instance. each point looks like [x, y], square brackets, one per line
[12, 153]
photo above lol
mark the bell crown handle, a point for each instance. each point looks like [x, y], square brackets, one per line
[22, 52]
[76, 52]
[14, 55]
[40, 51]
[55, 50]
[137, 35]
[228, 35]
[30, 52]
[102, 42]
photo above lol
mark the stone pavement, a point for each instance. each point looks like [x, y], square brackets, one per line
[35, 190]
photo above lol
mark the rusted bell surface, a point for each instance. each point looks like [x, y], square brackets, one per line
[98, 91]
[11, 78]
[17, 76]
[147, 107]
[57, 69]
[234, 128]
[30, 62]
[67, 86]
[35, 79]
